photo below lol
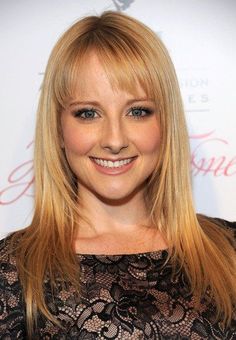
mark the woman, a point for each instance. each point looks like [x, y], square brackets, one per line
[115, 249]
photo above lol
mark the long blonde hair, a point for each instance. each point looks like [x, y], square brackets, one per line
[130, 53]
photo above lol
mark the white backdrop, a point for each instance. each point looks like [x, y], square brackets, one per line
[200, 35]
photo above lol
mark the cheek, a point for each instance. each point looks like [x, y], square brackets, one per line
[77, 141]
[148, 140]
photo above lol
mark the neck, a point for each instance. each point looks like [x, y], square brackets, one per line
[111, 216]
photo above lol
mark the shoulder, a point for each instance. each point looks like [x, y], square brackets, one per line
[224, 224]
[12, 319]
[228, 225]
[9, 278]
[6, 252]
[214, 226]
[8, 268]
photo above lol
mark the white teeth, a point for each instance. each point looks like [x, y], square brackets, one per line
[111, 164]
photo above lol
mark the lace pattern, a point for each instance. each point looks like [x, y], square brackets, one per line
[122, 297]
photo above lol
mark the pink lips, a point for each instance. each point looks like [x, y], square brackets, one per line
[114, 171]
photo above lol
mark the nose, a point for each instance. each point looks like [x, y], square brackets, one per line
[114, 136]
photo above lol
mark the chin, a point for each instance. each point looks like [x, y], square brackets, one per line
[117, 197]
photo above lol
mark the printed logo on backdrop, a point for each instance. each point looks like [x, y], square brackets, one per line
[19, 182]
[210, 152]
[209, 157]
[194, 84]
[122, 5]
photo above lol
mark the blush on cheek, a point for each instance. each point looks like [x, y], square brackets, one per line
[149, 140]
[78, 142]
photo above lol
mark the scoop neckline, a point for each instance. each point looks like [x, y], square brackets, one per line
[147, 253]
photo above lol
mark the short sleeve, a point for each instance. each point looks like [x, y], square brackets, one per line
[12, 311]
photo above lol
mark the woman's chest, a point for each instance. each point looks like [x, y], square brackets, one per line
[128, 298]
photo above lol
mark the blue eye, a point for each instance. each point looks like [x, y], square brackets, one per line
[85, 113]
[134, 112]
[140, 112]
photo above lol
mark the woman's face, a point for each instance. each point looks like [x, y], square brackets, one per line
[111, 138]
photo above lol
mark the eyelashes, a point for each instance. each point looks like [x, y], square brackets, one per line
[85, 114]
[140, 112]
[136, 112]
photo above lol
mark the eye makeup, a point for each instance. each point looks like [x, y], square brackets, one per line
[136, 112]
[85, 113]
[139, 112]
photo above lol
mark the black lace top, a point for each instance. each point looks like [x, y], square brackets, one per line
[122, 297]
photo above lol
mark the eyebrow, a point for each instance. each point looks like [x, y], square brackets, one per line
[95, 103]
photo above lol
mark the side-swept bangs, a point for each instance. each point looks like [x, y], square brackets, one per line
[125, 60]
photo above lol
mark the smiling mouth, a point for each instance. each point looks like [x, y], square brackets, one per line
[112, 164]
